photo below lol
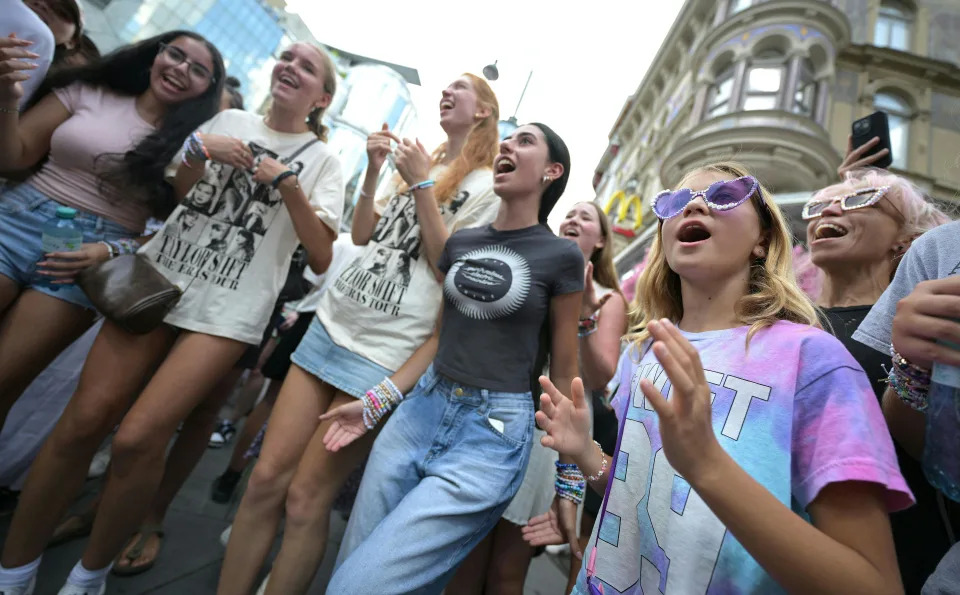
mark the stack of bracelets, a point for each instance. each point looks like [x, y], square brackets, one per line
[379, 401]
[193, 150]
[570, 484]
[588, 325]
[911, 383]
[122, 246]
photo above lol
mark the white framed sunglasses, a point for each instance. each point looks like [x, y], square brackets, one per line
[861, 199]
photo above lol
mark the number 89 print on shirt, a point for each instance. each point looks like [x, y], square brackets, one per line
[795, 411]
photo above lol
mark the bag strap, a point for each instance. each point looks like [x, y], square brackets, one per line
[303, 148]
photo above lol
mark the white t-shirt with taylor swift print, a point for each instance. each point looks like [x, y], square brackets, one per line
[228, 245]
[384, 304]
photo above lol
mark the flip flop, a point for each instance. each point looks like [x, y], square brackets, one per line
[82, 530]
[145, 532]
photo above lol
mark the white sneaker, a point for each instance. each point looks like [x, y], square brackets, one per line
[225, 536]
[98, 466]
[69, 589]
[21, 590]
[263, 586]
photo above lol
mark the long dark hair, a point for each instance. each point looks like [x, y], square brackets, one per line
[140, 171]
[558, 153]
[232, 86]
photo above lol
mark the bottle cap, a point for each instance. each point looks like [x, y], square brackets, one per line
[66, 212]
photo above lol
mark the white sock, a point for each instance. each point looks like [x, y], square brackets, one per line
[82, 577]
[19, 576]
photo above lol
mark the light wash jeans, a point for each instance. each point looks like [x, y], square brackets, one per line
[442, 471]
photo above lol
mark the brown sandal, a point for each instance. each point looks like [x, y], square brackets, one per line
[145, 532]
[83, 525]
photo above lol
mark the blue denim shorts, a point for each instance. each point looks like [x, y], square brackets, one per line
[338, 367]
[23, 211]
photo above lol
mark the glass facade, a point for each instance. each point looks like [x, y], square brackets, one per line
[247, 32]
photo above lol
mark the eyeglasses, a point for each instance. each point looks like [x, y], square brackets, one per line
[719, 196]
[867, 197]
[177, 57]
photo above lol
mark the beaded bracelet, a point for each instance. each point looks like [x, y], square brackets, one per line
[379, 401]
[569, 483]
[603, 464]
[124, 246]
[193, 148]
[914, 397]
[588, 325]
[422, 185]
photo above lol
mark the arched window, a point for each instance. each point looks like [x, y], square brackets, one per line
[764, 79]
[898, 116]
[893, 25]
[738, 5]
[718, 101]
[805, 97]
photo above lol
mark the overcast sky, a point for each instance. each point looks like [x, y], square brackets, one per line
[587, 59]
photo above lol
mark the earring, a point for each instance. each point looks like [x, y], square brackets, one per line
[547, 179]
[763, 253]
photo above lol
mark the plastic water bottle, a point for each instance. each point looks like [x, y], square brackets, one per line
[941, 452]
[60, 234]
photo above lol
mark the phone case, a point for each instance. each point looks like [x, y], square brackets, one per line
[864, 129]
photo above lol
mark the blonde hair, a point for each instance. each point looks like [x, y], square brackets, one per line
[315, 119]
[773, 295]
[483, 143]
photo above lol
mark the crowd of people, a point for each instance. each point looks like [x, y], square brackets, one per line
[469, 385]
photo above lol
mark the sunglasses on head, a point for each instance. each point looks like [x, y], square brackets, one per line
[719, 196]
[866, 197]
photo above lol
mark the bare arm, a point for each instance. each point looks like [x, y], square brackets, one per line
[433, 233]
[313, 233]
[25, 139]
[600, 349]
[848, 549]
[364, 215]
[563, 346]
[907, 426]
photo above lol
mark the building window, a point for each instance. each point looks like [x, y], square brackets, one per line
[898, 116]
[738, 5]
[764, 78]
[720, 94]
[805, 98]
[893, 25]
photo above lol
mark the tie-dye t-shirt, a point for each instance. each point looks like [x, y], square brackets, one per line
[795, 411]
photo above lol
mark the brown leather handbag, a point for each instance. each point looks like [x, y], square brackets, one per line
[129, 292]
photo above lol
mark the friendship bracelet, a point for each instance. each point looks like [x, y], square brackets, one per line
[588, 324]
[422, 185]
[569, 483]
[603, 464]
[281, 177]
[364, 194]
[378, 401]
[912, 396]
[110, 251]
[124, 246]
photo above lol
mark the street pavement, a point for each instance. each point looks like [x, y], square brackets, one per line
[189, 563]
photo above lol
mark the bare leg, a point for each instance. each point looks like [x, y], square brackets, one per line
[33, 331]
[319, 478]
[182, 459]
[255, 421]
[191, 370]
[471, 577]
[252, 387]
[509, 561]
[302, 399]
[9, 291]
[113, 373]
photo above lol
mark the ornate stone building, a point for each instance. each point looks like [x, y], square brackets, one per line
[776, 84]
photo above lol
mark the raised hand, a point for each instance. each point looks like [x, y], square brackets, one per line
[378, 147]
[930, 313]
[347, 425]
[685, 423]
[268, 169]
[229, 150]
[13, 67]
[856, 160]
[413, 161]
[63, 267]
[590, 302]
[566, 421]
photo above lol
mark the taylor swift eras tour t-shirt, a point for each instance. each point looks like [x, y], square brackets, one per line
[229, 243]
[795, 411]
[384, 304]
[497, 293]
